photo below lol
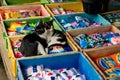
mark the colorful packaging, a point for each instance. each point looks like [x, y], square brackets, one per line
[34, 71]
[34, 78]
[116, 58]
[16, 45]
[58, 49]
[38, 73]
[106, 63]
[115, 40]
[113, 72]
[48, 74]
[61, 10]
[17, 28]
[20, 14]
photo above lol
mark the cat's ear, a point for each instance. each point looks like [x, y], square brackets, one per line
[40, 23]
[50, 22]
[49, 25]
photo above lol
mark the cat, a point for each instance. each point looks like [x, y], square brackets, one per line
[35, 43]
[42, 40]
[55, 37]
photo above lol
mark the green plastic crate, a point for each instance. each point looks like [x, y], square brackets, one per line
[61, 1]
[20, 2]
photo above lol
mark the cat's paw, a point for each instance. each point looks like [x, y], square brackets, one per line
[46, 50]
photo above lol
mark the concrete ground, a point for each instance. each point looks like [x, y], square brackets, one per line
[3, 75]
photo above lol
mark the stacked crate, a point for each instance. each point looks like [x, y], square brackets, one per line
[67, 17]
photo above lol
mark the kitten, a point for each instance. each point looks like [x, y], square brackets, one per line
[55, 37]
[35, 43]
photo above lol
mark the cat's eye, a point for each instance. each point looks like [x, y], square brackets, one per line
[40, 31]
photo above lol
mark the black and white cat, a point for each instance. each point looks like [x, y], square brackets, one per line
[42, 40]
[35, 43]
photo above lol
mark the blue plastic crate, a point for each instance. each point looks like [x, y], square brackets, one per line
[71, 18]
[68, 60]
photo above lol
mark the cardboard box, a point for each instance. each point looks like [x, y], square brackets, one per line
[102, 52]
[17, 12]
[69, 18]
[76, 7]
[92, 30]
[68, 60]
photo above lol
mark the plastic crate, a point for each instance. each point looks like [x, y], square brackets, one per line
[74, 33]
[6, 23]
[21, 2]
[76, 7]
[7, 12]
[73, 59]
[113, 17]
[69, 18]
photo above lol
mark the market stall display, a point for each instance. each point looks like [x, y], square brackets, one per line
[32, 28]
[12, 40]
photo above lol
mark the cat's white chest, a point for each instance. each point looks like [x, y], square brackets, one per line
[53, 40]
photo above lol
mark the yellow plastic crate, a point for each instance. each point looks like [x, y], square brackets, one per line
[76, 6]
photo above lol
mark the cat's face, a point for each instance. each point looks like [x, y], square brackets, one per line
[49, 25]
[40, 28]
[44, 28]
